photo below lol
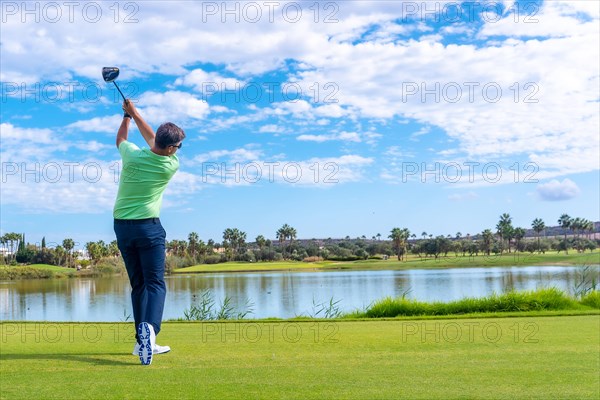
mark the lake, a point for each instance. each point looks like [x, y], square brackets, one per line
[274, 294]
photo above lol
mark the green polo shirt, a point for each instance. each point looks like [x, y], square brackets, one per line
[144, 178]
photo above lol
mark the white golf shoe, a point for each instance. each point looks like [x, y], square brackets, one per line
[147, 339]
[157, 349]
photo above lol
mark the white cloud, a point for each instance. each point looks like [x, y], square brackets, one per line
[552, 18]
[209, 82]
[248, 165]
[14, 134]
[423, 131]
[93, 146]
[367, 54]
[300, 108]
[173, 106]
[396, 152]
[372, 137]
[62, 186]
[557, 191]
[458, 28]
[255, 115]
[108, 124]
[271, 128]
[330, 111]
[342, 136]
[559, 74]
[221, 109]
[43, 175]
[316, 138]
[184, 183]
[325, 172]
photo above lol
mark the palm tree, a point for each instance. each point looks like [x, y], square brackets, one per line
[424, 234]
[202, 248]
[193, 239]
[292, 235]
[171, 247]
[59, 252]
[378, 236]
[565, 222]
[487, 236]
[396, 236]
[234, 239]
[4, 240]
[240, 241]
[400, 237]
[181, 248]
[538, 226]
[281, 235]
[177, 247]
[3, 243]
[576, 225]
[519, 234]
[584, 226]
[68, 244]
[260, 241]
[590, 228]
[504, 229]
[228, 239]
[93, 251]
[12, 239]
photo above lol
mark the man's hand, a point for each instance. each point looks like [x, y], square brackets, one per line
[129, 108]
[144, 128]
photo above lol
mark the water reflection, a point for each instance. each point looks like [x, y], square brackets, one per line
[276, 294]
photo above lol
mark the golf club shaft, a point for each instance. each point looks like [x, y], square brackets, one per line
[117, 86]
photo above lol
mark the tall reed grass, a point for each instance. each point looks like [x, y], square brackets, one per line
[536, 300]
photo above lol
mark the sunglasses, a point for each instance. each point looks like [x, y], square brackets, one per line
[173, 145]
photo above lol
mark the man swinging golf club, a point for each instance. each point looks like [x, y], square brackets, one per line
[140, 235]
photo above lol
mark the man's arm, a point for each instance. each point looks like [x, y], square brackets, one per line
[144, 128]
[123, 131]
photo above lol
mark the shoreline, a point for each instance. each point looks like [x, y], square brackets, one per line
[506, 260]
[42, 271]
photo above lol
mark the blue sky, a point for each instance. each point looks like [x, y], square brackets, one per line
[352, 120]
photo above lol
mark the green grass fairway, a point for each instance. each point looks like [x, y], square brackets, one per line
[555, 357]
[53, 268]
[34, 271]
[518, 259]
[45, 267]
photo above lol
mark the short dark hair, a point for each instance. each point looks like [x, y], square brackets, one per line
[168, 134]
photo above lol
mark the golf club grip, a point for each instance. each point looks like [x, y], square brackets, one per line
[117, 86]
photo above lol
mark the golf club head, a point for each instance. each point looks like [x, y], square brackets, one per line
[110, 73]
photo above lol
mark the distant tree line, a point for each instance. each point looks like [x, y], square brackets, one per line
[576, 234]
[61, 255]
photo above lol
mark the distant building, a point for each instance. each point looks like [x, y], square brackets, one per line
[81, 254]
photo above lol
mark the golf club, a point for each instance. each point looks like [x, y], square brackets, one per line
[110, 74]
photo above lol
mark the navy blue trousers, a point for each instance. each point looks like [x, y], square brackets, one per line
[142, 245]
